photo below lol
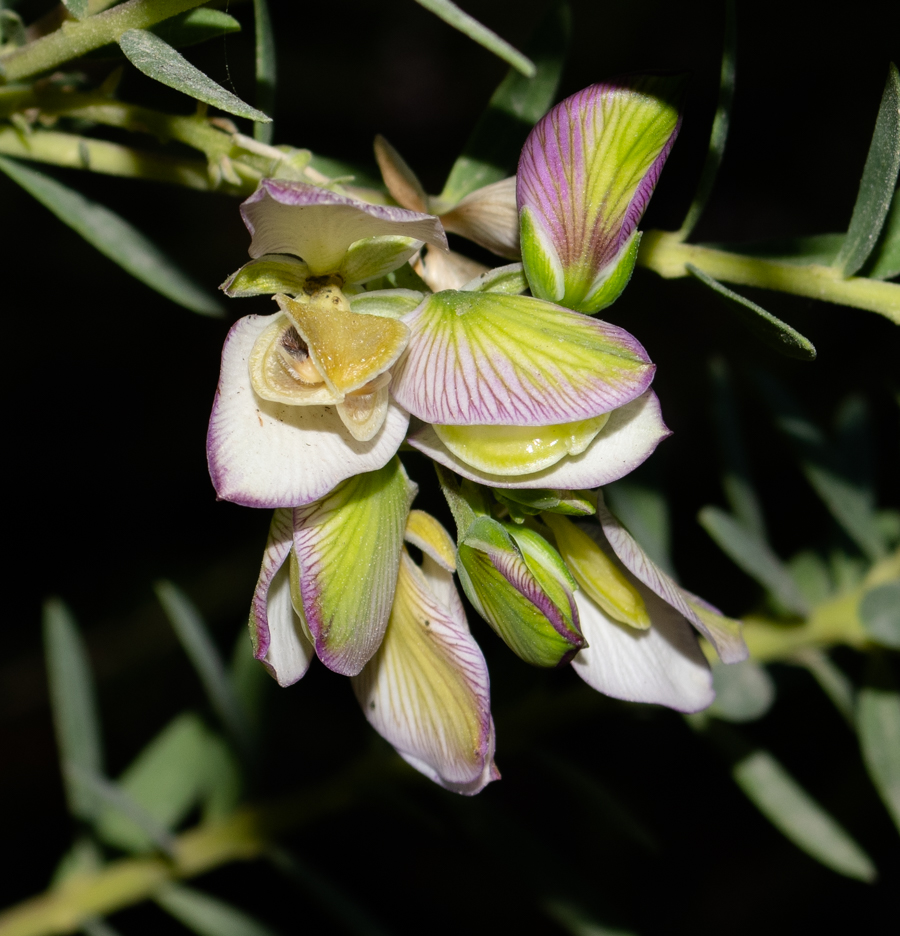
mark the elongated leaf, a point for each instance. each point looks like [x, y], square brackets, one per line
[266, 71]
[195, 26]
[74, 705]
[769, 328]
[736, 480]
[879, 180]
[206, 915]
[878, 724]
[799, 817]
[577, 922]
[196, 641]
[78, 8]
[97, 927]
[744, 691]
[451, 14]
[114, 237]
[753, 554]
[851, 506]
[492, 151]
[158, 60]
[719, 134]
[885, 260]
[879, 612]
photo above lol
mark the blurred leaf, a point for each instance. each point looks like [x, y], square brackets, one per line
[744, 691]
[78, 8]
[492, 151]
[206, 915]
[195, 26]
[855, 454]
[97, 927]
[775, 333]
[850, 504]
[575, 921]
[879, 179]
[12, 29]
[195, 639]
[719, 134]
[831, 681]
[736, 481]
[753, 554]
[224, 782]
[250, 681]
[74, 704]
[114, 237]
[84, 857]
[182, 767]
[810, 571]
[878, 724]
[112, 800]
[333, 899]
[879, 612]
[266, 70]
[645, 513]
[799, 817]
[338, 169]
[158, 60]
[885, 260]
[451, 14]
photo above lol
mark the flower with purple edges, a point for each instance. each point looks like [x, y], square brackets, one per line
[586, 174]
[645, 650]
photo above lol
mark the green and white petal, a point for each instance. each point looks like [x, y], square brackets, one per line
[628, 439]
[372, 257]
[347, 547]
[267, 454]
[722, 632]
[427, 690]
[490, 359]
[319, 226]
[663, 664]
[276, 630]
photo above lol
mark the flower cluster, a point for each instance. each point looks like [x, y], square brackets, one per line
[526, 403]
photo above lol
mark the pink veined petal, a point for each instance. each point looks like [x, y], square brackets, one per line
[727, 642]
[264, 454]
[663, 664]
[275, 627]
[427, 689]
[319, 226]
[626, 441]
[482, 358]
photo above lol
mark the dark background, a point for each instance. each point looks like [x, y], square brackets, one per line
[108, 388]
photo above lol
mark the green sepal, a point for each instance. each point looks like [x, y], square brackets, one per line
[540, 259]
[272, 273]
[533, 502]
[467, 500]
[523, 592]
[614, 282]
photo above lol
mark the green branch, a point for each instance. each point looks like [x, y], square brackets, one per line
[663, 252]
[75, 38]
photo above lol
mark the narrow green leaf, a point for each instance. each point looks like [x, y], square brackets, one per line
[719, 134]
[492, 151]
[775, 333]
[333, 899]
[849, 504]
[645, 512]
[577, 922]
[451, 14]
[885, 260]
[810, 571]
[195, 26]
[195, 639]
[879, 179]
[831, 681]
[879, 612]
[753, 554]
[206, 915]
[799, 817]
[114, 237]
[266, 70]
[744, 691]
[158, 60]
[736, 480]
[94, 926]
[84, 857]
[78, 8]
[878, 725]
[73, 702]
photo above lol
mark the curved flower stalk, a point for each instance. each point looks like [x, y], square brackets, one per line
[312, 380]
[418, 674]
[639, 624]
[587, 171]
